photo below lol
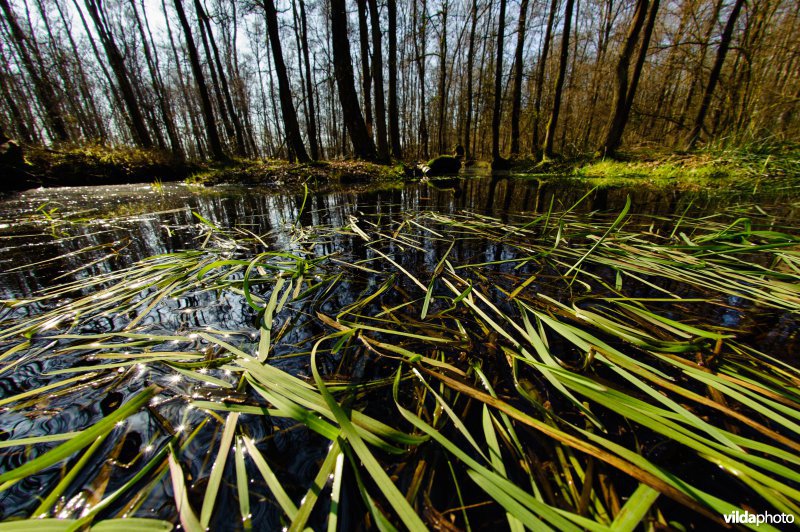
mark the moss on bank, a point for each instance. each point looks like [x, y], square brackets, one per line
[775, 167]
[97, 165]
[281, 174]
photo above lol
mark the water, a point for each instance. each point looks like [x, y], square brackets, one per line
[83, 232]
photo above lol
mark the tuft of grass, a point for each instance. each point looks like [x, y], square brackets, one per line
[576, 377]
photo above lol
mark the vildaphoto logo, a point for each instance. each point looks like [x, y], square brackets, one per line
[747, 518]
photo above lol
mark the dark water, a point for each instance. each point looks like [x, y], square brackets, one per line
[83, 232]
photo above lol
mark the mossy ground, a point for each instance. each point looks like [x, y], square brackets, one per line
[740, 168]
[99, 165]
[280, 174]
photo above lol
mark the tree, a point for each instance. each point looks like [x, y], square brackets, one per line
[394, 113]
[537, 99]
[725, 42]
[620, 111]
[547, 148]
[377, 75]
[205, 101]
[117, 63]
[516, 93]
[497, 160]
[366, 73]
[470, 65]
[290, 124]
[312, 113]
[41, 84]
[363, 146]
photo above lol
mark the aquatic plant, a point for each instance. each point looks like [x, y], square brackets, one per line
[563, 370]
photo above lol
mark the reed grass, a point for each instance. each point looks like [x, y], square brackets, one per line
[523, 373]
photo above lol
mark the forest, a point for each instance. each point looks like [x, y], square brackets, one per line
[326, 79]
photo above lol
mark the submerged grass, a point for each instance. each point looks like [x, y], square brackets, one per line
[560, 370]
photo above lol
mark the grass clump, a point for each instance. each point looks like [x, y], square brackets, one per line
[555, 370]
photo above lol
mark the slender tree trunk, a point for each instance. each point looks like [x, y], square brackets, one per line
[537, 99]
[440, 140]
[713, 77]
[420, 55]
[41, 85]
[363, 146]
[117, 63]
[620, 111]
[241, 148]
[377, 75]
[86, 93]
[394, 118]
[697, 81]
[642, 56]
[547, 148]
[293, 137]
[470, 77]
[311, 118]
[205, 101]
[366, 73]
[516, 93]
[158, 86]
[498, 87]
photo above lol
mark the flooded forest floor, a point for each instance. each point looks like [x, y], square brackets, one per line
[753, 168]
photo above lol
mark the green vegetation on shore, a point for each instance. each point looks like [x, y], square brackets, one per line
[743, 168]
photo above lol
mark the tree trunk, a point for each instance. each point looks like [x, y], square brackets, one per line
[293, 137]
[41, 85]
[158, 86]
[223, 81]
[363, 146]
[117, 63]
[470, 77]
[537, 99]
[713, 77]
[516, 93]
[366, 73]
[205, 100]
[642, 56]
[311, 119]
[620, 111]
[377, 76]
[394, 118]
[498, 87]
[547, 148]
[420, 58]
[442, 96]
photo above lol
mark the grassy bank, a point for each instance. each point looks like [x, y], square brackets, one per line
[754, 168]
[741, 168]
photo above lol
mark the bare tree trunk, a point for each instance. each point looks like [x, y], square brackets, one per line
[537, 99]
[394, 118]
[293, 136]
[547, 148]
[366, 73]
[377, 75]
[516, 93]
[497, 160]
[205, 101]
[117, 63]
[470, 77]
[642, 56]
[241, 148]
[420, 57]
[620, 111]
[442, 97]
[158, 86]
[713, 77]
[311, 118]
[363, 146]
[42, 85]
